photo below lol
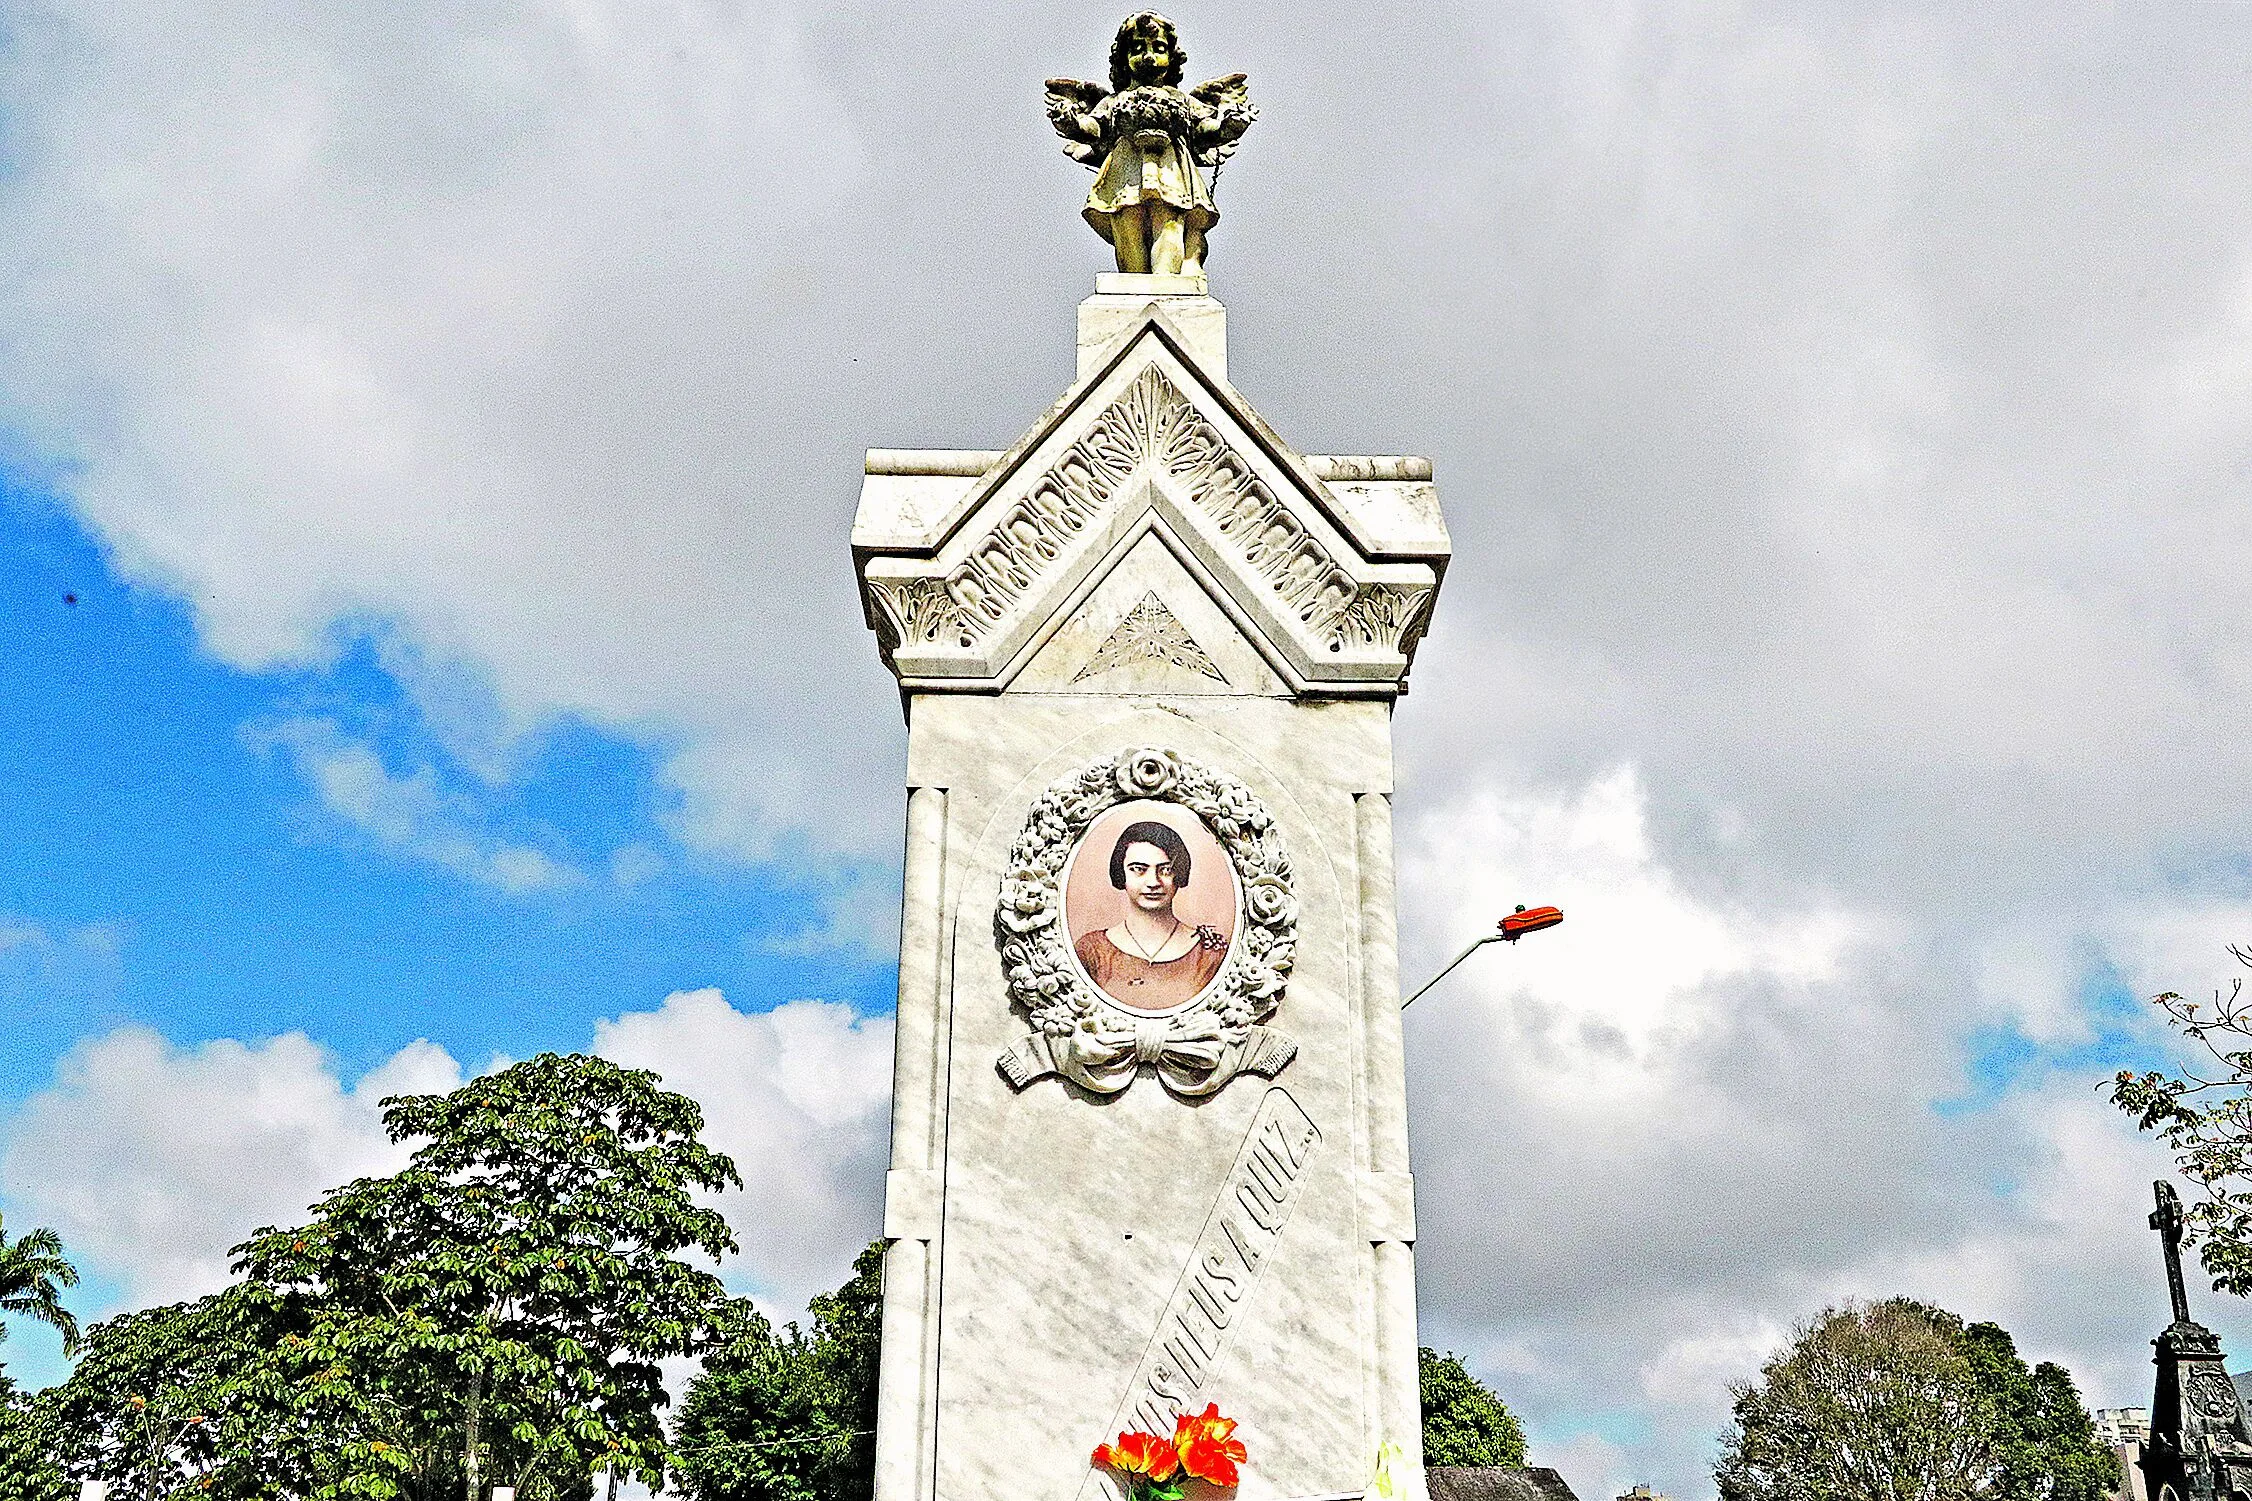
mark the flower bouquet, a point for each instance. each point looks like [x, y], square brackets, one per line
[1155, 1469]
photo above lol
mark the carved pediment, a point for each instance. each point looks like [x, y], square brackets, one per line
[963, 587]
[1150, 633]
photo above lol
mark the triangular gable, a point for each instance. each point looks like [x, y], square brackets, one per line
[1148, 435]
[1123, 632]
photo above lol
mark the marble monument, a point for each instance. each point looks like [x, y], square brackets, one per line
[1149, 1145]
[2200, 1443]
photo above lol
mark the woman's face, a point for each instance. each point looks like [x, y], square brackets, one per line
[1148, 59]
[1149, 879]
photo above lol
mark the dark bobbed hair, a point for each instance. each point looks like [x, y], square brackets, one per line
[1127, 29]
[1161, 835]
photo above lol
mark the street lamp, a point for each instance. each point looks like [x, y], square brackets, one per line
[1511, 928]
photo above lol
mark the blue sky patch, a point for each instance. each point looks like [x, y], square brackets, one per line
[221, 853]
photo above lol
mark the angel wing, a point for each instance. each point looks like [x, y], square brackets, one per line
[1230, 102]
[1069, 100]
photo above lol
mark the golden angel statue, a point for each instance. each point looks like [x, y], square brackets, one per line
[1152, 143]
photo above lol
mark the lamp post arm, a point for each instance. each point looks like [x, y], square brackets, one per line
[1457, 959]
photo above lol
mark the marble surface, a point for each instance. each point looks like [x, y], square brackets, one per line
[1051, 1249]
[963, 578]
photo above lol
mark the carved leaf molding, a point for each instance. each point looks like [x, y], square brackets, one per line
[1150, 420]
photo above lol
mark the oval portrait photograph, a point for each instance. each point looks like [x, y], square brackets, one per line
[1150, 904]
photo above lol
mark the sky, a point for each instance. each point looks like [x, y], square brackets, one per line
[429, 435]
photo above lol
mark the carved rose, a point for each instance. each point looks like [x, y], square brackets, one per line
[1269, 901]
[1047, 832]
[1028, 900]
[1093, 1034]
[1148, 773]
[1259, 982]
[1235, 810]
[1036, 973]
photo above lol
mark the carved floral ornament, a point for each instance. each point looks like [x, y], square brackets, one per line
[1084, 1035]
[1149, 422]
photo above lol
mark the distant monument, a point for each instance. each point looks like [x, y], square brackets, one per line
[1149, 1129]
[2200, 1448]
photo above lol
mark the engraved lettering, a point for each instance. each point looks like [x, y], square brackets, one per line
[1209, 1301]
[1247, 1253]
[1269, 1177]
[1223, 1267]
[1295, 1145]
[1207, 1343]
[1274, 1148]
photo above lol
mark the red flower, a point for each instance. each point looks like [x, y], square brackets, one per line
[1139, 1454]
[1206, 1451]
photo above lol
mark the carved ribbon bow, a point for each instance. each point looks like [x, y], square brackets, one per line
[1190, 1053]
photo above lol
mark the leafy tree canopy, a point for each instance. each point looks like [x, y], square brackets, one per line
[2046, 1441]
[1464, 1422]
[1900, 1401]
[2204, 1114]
[495, 1312]
[174, 1399]
[33, 1274]
[29, 1444]
[790, 1416]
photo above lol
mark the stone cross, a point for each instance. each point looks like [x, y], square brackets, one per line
[2166, 1219]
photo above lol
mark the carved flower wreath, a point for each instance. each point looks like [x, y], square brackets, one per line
[1082, 1034]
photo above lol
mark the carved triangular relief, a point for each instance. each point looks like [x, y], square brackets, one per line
[1150, 633]
[1150, 421]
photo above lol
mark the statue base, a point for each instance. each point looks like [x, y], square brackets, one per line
[1133, 284]
[1115, 311]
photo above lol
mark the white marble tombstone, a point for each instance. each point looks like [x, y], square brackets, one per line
[1104, 1210]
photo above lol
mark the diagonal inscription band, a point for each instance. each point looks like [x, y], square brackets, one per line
[1245, 1221]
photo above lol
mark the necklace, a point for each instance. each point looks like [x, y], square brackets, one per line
[1144, 954]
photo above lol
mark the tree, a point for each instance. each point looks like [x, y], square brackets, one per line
[790, 1417]
[1875, 1403]
[2047, 1442]
[1464, 1422]
[30, 1469]
[1899, 1401]
[33, 1273]
[175, 1400]
[495, 1312]
[2205, 1116]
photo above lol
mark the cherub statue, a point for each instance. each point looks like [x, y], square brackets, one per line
[1151, 143]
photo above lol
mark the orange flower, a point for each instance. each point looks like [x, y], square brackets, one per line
[1140, 1454]
[1206, 1451]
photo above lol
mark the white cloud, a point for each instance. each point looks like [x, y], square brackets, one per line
[800, 1097]
[411, 814]
[1650, 1141]
[1841, 412]
[151, 1160]
[1638, 962]
[472, 320]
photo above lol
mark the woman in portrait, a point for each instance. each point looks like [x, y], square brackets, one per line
[1151, 959]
